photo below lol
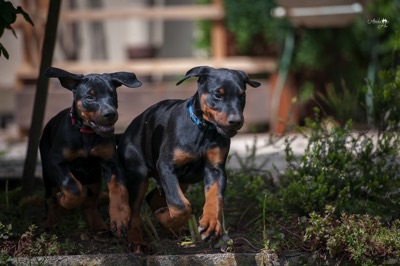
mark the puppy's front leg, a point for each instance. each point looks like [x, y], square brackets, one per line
[215, 182]
[178, 210]
[119, 209]
[72, 192]
[210, 224]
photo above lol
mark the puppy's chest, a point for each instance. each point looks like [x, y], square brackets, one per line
[101, 150]
[200, 157]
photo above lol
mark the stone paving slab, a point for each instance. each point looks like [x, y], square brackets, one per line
[225, 259]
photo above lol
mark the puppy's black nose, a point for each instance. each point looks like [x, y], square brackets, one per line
[110, 114]
[235, 120]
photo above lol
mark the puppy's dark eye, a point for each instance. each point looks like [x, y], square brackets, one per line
[218, 96]
[90, 98]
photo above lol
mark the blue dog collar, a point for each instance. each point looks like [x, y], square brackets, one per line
[195, 119]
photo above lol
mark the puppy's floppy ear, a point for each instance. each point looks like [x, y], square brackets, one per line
[68, 80]
[246, 79]
[125, 78]
[199, 71]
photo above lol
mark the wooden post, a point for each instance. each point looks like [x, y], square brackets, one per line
[218, 37]
[40, 100]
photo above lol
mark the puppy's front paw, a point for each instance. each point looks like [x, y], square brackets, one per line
[164, 218]
[70, 200]
[209, 226]
[135, 238]
[172, 219]
[120, 214]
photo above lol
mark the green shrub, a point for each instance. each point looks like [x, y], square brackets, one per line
[386, 102]
[361, 238]
[355, 172]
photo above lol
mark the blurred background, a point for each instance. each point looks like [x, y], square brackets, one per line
[329, 54]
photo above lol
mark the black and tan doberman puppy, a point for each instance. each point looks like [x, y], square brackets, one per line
[78, 148]
[181, 142]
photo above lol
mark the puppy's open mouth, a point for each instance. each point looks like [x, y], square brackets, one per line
[102, 129]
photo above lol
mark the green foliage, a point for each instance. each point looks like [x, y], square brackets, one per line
[252, 20]
[30, 244]
[363, 238]
[386, 99]
[317, 49]
[5, 259]
[250, 184]
[343, 57]
[203, 38]
[5, 234]
[355, 172]
[388, 37]
[8, 15]
[5, 231]
[342, 101]
[249, 21]
[42, 245]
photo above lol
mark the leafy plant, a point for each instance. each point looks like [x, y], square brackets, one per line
[249, 22]
[387, 99]
[343, 102]
[5, 259]
[362, 238]
[8, 15]
[42, 245]
[252, 20]
[5, 234]
[355, 172]
[5, 231]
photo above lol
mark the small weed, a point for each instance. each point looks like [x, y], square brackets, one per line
[5, 231]
[42, 245]
[5, 259]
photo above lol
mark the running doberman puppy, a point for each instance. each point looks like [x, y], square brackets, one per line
[78, 148]
[181, 142]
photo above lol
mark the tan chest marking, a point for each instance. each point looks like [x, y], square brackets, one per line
[182, 158]
[70, 155]
[216, 156]
[104, 151]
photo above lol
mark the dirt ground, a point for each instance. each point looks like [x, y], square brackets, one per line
[75, 238]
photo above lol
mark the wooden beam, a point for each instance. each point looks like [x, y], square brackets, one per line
[157, 66]
[190, 12]
[313, 3]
